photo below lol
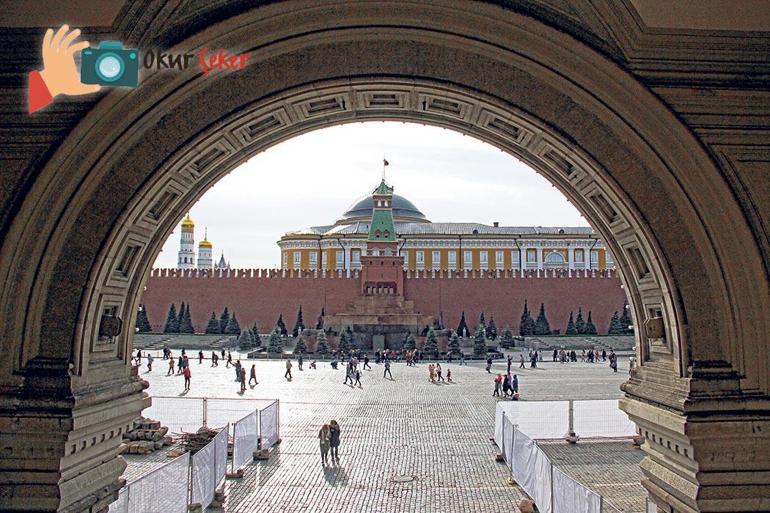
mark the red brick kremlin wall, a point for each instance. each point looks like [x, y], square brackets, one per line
[261, 295]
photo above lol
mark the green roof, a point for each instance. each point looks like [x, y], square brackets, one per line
[383, 189]
[382, 222]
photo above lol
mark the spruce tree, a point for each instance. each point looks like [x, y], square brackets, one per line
[245, 340]
[320, 345]
[590, 328]
[462, 328]
[571, 330]
[212, 328]
[506, 338]
[233, 328]
[431, 343]
[580, 324]
[172, 322]
[142, 322]
[492, 329]
[275, 344]
[480, 342]
[255, 332]
[615, 327]
[281, 326]
[300, 347]
[410, 344]
[345, 341]
[482, 322]
[454, 344]
[541, 325]
[185, 321]
[526, 324]
[224, 319]
[299, 325]
[625, 319]
[320, 322]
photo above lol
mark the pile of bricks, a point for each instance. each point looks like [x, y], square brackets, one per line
[146, 436]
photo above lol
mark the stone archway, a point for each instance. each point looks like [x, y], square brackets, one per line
[102, 206]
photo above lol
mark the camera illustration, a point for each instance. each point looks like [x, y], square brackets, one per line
[110, 65]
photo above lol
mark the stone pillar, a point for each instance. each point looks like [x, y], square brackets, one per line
[707, 445]
[60, 444]
[570, 257]
[539, 257]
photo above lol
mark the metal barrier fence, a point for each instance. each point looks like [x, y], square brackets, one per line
[208, 467]
[245, 437]
[163, 489]
[552, 490]
[269, 425]
[188, 414]
[554, 419]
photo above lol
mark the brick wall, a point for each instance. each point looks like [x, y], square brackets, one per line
[261, 295]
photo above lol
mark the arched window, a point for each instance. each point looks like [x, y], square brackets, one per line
[386, 234]
[554, 258]
[377, 234]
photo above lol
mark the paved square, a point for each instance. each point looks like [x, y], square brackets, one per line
[435, 434]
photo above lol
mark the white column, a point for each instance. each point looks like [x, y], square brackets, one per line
[571, 257]
[540, 258]
[347, 258]
[587, 257]
[522, 258]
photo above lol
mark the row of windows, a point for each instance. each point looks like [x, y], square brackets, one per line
[554, 259]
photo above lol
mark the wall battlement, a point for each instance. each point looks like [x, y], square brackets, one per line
[409, 275]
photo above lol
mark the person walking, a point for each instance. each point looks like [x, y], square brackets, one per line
[449, 375]
[387, 369]
[521, 361]
[213, 358]
[334, 440]
[229, 360]
[253, 374]
[300, 359]
[149, 362]
[498, 380]
[462, 358]
[138, 357]
[489, 365]
[170, 367]
[431, 373]
[223, 354]
[358, 378]
[604, 355]
[510, 360]
[438, 372]
[324, 440]
[187, 375]
[242, 378]
[515, 384]
[348, 374]
[287, 374]
[200, 357]
[366, 362]
[506, 385]
[180, 365]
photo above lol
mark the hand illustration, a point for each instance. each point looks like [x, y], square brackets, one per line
[59, 75]
[59, 72]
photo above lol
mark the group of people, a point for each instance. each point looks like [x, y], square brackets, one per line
[509, 384]
[434, 374]
[592, 356]
[329, 440]
[240, 375]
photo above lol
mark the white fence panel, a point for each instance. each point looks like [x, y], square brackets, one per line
[602, 419]
[204, 470]
[540, 419]
[244, 439]
[569, 496]
[268, 425]
[220, 442]
[499, 413]
[532, 470]
[164, 489]
[179, 414]
[508, 433]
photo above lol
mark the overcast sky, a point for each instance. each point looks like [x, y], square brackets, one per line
[312, 179]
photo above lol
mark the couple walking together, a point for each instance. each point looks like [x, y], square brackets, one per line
[329, 438]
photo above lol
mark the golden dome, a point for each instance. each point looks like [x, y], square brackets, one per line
[205, 242]
[187, 222]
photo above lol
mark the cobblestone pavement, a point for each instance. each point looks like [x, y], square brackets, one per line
[610, 468]
[436, 434]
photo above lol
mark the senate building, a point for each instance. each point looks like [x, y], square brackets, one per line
[427, 245]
